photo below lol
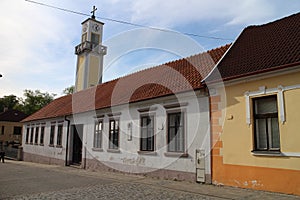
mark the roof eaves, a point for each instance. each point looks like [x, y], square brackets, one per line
[258, 72]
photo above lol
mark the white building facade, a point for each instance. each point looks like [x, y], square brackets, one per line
[158, 137]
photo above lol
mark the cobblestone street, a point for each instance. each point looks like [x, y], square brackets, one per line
[22, 180]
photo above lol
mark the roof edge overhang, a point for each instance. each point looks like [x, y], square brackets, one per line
[275, 71]
[106, 107]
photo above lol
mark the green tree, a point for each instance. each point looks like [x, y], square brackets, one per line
[69, 90]
[10, 102]
[35, 100]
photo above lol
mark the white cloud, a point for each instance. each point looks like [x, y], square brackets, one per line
[37, 42]
[32, 40]
[173, 13]
[252, 12]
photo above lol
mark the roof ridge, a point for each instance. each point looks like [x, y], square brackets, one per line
[168, 63]
[211, 50]
[259, 49]
[220, 47]
[270, 23]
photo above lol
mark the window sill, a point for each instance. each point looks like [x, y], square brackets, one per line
[36, 144]
[97, 149]
[150, 153]
[51, 145]
[41, 144]
[176, 154]
[58, 146]
[113, 150]
[267, 153]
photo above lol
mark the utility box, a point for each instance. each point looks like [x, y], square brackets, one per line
[200, 165]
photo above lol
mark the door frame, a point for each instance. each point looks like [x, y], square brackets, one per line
[78, 130]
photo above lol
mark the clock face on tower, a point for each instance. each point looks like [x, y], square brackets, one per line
[96, 27]
[84, 28]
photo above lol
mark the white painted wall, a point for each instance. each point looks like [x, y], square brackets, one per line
[46, 150]
[197, 131]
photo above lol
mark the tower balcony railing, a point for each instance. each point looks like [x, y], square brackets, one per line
[88, 46]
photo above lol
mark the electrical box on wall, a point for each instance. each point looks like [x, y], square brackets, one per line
[200, 165]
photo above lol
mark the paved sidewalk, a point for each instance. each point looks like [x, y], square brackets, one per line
[23, 180]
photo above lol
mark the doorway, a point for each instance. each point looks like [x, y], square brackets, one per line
[77, 133]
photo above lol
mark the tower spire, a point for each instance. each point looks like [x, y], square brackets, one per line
[93, 12]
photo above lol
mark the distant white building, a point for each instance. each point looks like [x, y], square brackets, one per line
[151, 122]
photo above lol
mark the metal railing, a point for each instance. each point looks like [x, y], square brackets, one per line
[10, 151]
[89, 46]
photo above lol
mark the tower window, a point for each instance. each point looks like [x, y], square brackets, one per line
[95, 38]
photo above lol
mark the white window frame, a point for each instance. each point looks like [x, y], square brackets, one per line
[42, 139]
[53, 124]
[98, 134]
[110, 144]
[27, 134]
[59, 136]
[183, 116]
[174, 108]
[269, 147]
[152, 117]
[36, 134]
[31, 134]
[264, 91]
[281, 108]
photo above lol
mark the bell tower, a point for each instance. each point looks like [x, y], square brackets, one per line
[90, 54]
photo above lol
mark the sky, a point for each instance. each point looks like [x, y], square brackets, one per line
[37, 42]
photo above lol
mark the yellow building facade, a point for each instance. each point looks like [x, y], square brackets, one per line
[11, 132]
[235, 159]
[11, 127]
[255, 109]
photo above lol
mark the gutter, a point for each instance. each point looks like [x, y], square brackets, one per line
[67, 141]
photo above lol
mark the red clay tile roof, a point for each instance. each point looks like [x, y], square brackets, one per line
[258, 49]
[167, 79]
[12, 116]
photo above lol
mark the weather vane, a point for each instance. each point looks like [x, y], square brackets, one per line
[93, 12]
